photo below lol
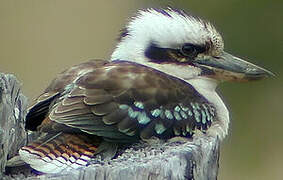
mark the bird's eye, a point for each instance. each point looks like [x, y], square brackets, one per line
[189, 50]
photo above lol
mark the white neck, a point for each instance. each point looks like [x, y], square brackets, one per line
[206, 87]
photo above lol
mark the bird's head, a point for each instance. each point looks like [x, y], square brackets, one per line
[181, 45]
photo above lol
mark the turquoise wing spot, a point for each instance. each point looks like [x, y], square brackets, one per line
[177, 109]
[183, 114]
[206, 112]
[184, 108]
[177, 116]
[168, 114]
[193, 105]
[190, 113]
[133, 114]
[197, 115]
[139, 105]
[155, 112]
[189, 129]
[159, 128]
[203, 117]
[142, 118]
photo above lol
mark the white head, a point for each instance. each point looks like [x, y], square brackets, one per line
[180, 44]
[152, 35]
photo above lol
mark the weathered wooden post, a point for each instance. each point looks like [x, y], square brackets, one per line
[12, 112]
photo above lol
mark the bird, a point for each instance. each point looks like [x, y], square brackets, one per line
[160, 82]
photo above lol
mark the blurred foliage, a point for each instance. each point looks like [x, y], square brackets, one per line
[41, 38]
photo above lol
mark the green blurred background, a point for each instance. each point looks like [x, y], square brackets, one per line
[39, 38]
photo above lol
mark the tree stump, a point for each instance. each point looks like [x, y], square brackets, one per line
[12, 114]
[195, 159]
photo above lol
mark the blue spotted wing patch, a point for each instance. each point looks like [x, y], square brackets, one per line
[179, 120]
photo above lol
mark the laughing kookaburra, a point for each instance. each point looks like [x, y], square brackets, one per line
[160, 82]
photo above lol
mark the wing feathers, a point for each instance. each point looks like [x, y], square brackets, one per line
[100, 99]
[128, 126]
[39, 109]
[63, 109]
[114, 117]
[124, 100]
[104, 109]
[68, 113]
[72, 100]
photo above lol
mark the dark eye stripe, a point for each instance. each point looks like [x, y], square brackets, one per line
[160, 55]
[153, 52]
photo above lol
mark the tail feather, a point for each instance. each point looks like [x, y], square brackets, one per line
[60, 153]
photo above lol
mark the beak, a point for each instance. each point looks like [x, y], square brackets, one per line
[231, 68]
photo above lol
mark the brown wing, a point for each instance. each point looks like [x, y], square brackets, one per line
[39, 109]
[123, 101]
